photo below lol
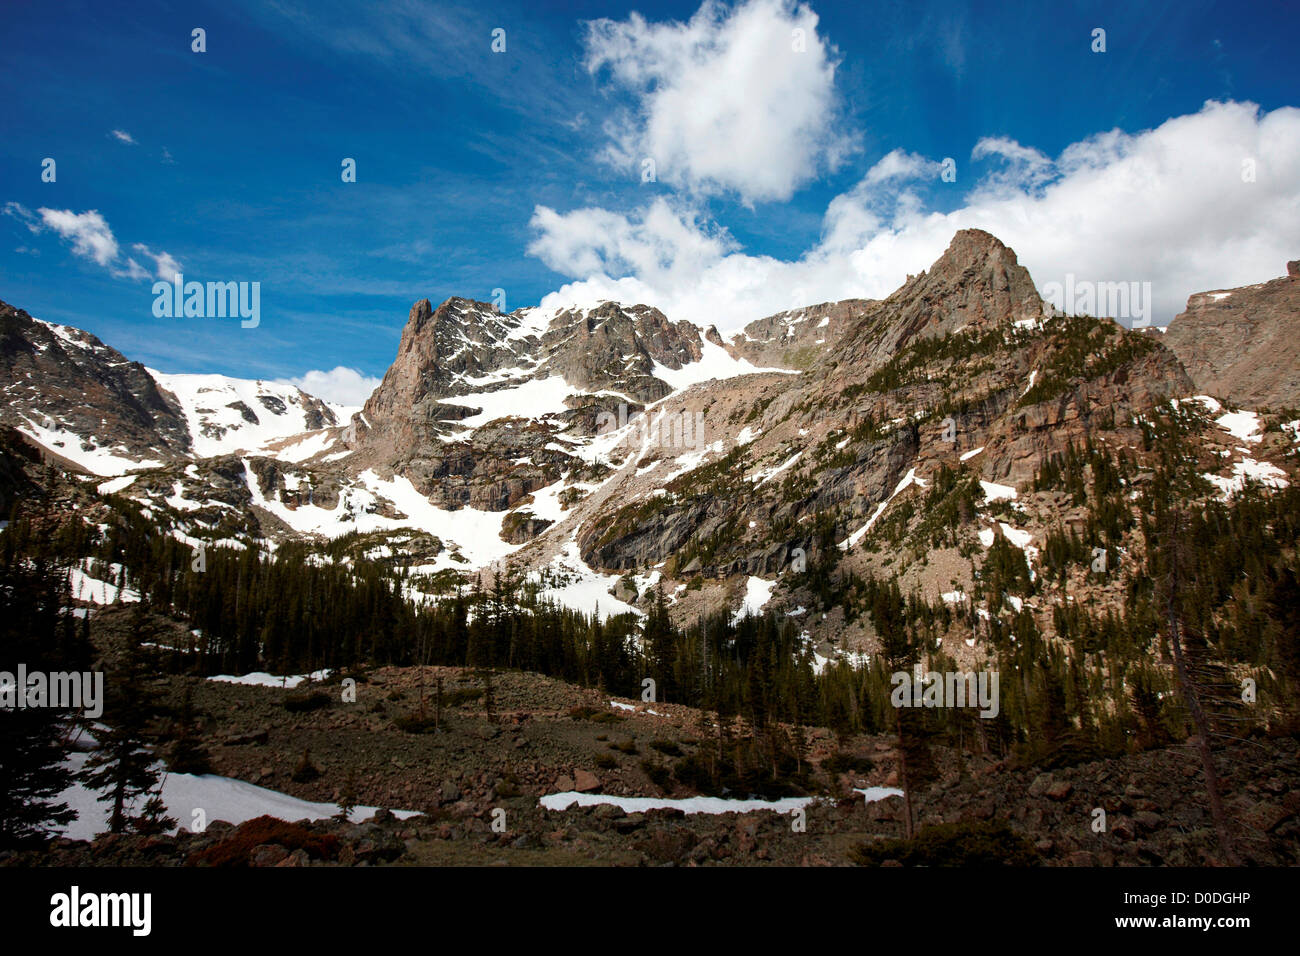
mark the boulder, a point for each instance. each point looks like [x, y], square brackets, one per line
[267, 854]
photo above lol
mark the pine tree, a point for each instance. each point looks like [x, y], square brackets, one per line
[657, 639]
[153, 819]
[348, 795]
[187, 753]
[1175, 579]
[899, 653]
[38, 631]
[122, 765]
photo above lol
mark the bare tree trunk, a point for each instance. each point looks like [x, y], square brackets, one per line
[117, 822]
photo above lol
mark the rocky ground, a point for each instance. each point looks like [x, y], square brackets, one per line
[544, 736]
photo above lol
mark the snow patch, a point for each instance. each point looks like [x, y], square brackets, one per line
[220, 798]
[711, 805]
[757, 593]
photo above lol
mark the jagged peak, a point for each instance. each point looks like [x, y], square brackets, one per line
[973, 252]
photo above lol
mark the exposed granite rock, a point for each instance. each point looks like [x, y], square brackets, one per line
[56, 377]
[1243, 345]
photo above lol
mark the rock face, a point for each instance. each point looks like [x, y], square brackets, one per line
[1243, 345]
[795, 339]
[58, 379]
[969, 335]
[978, 282]
[465, 348]
[88, 404]
[617, 347]
[464, 360]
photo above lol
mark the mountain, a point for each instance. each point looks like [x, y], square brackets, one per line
[537, 512]
[794, 339]
[225, 415]
[442, 415]
[614, 452]
[1243, 345]
[87, 403]
[961, 369]
[84, 400]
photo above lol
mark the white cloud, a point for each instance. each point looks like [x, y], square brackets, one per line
[1167, 206]
[93, 239]
[133, 270]
[165, 266]
[23, 215]
[588, 241]
[342, 386]
[1025, 166]
[734, 101]
[901, 164]
[89, 233]
[122, 136]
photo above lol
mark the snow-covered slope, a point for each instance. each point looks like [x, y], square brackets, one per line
[227, 415]
[89, 404]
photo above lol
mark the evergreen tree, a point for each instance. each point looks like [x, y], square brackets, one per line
[1177, 577]
[35, 630]
[122, 765]
[187, 753]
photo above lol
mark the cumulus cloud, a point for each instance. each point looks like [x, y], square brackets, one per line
[1206, 200]
[1024, 167]
[93, 239]
[901, 164]
[165, 266]
[341, 386]
[122, 136]
[736, 100]
[87, 231]
[658, 241]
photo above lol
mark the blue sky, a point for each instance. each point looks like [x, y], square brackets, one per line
[522, 170]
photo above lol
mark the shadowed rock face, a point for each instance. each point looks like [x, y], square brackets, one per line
[1243, 345]
[72, 379]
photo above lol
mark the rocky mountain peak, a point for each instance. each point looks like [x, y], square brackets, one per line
[615, 346]
[978, 279]
[84, 399]
[1243, 344]
[465, 347]
[977, 282]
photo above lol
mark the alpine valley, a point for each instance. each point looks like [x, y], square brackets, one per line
[613, 572]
